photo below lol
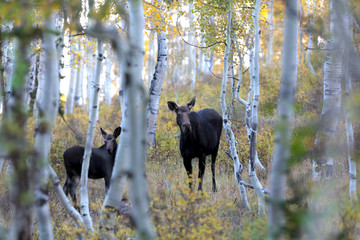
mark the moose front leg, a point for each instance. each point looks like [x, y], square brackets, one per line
[202, 164]
[188, 167]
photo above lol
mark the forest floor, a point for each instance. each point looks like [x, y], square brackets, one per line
[177, 212]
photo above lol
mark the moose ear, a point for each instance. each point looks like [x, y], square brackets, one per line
[117, 132]
[173, 106]
[191, 103]
[103, 132]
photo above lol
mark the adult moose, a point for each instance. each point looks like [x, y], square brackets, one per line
[200, 137]
[101, 163]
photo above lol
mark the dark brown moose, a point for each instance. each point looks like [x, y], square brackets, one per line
[101, 163]
[200, 137]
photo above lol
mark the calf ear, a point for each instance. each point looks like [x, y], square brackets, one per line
[191, 103]
[117, 132]
[103, 132]
[173, 106]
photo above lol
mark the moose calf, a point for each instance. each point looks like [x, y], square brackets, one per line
[200, 137]
[101, 163]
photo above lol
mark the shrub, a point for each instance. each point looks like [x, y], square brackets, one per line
[186, 214]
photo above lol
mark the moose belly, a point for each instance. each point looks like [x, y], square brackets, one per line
[192, 152]
[96, 173]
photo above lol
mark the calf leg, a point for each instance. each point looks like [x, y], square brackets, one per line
[213, 159]
[66, 185]
[188, 168]
[202, 164]
[74, 181]
[107, 184]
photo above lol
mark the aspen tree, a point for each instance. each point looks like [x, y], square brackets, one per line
[238, 167]
[284, 126]
[46, 120]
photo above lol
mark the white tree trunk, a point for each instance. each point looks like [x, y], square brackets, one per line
[64, 201]
[192, 49]
[285, 119]
[309, 45]
[8, 68]
[16, 144]
[238, 168]
[121, 167]
[269, 49]
[84, 203]
[48, 108]
[79, 78]
[301, 13]
[138, 184]
[245, 103]
[107, 83]
[331, 104]
[151, 57]
[155, 89]
[90, 78]
[69, 105]
[346, 30]
[254, 114]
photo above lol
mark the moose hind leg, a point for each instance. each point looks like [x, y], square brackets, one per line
[188, 168]
[202, 164]
[107, 184]
[66, 186]
[213, 159]
[72, 188]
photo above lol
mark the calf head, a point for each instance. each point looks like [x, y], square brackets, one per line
[110, 139]
[183, 115]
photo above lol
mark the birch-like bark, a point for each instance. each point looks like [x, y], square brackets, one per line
[130, 90]
[192, 50]
[15, 142]
[69, 105]
[326, 136]
[107, 83]
[254, 113]
[3, 63]
[64, 201]
[6, 68]
[155, 89]
[79, 78]
[32, 83]
[238, 168]
[309, 45]
[47, 115]
[90, 77]
[269, 49]
[138, 184]
[32, 74]
[300, 14]
[151, 57]
[121, 165]
[346, 28]
[285, 119]
[84, 203]
[40, 90]
[33, 94]
[9, 56]
[244, 102]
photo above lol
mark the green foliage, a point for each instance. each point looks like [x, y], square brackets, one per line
[253, 228]
[212, 21]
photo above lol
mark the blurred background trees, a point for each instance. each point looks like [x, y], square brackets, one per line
[185, 48]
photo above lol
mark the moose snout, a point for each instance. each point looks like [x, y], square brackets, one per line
[186, 128]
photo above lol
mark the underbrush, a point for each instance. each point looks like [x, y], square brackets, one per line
[177, 212]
